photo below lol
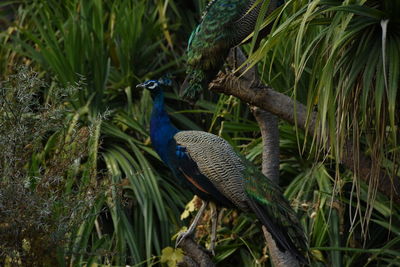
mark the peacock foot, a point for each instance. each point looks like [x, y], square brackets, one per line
[182, 236]
[211, 250]
[192, 228]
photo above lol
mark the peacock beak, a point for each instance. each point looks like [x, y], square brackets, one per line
[140, 85]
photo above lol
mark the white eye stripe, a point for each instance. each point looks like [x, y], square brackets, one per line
[151, 85]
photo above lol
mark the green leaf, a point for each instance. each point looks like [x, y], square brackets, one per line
[171, 256]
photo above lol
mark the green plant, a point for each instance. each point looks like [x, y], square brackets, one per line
[99, 147]
[107, 48]
[39, 206]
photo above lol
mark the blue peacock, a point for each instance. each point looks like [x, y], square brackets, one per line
[211, 169]
[224, 25]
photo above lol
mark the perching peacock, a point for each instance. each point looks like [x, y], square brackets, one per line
[224, 25]
[210, 167]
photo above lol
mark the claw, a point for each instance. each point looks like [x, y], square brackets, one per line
[182, 236]
[211, 251]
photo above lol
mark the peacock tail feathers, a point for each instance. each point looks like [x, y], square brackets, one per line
[210, 42]
[194, 83]
[274, 211]
[224, 24]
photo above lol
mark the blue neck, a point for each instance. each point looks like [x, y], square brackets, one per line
[161, 128]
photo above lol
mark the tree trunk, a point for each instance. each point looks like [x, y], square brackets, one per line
[270, 167]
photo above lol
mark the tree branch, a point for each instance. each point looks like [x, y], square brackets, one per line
[268, 124]
[195, 255]
[270, 167]
[254, 93]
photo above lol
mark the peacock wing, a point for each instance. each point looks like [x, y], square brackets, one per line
[187, 170]
[217, 161]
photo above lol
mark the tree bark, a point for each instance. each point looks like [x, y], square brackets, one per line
[195, 255]
[268, 124]
[270, 167]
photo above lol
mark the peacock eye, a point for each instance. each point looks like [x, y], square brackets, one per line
[151, 85]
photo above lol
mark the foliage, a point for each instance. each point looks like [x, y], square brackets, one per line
[171, 256]
[86, 152]
[92, 43]
[39, 205]
[344, 57]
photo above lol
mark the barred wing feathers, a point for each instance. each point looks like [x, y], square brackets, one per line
[245, 186]
[216, 160]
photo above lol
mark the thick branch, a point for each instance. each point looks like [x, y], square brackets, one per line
[195, 255]
[278, 258]
[254, 93]
[268, 124]
[270, 167]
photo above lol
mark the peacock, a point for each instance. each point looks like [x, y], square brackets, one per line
[208, 166]
[224, 25]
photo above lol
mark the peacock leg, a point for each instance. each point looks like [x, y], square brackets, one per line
[214, 218]
[193, 226]
[234, 59]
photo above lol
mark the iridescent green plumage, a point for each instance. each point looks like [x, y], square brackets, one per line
[274, 211]
[224, 25]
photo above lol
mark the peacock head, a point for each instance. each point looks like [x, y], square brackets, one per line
[155, 86]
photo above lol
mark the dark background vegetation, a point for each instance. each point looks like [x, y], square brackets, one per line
[80, 183]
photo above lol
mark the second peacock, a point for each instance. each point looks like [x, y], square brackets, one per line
[210, 168]
[224, 25]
